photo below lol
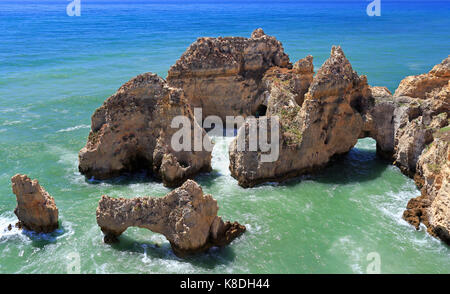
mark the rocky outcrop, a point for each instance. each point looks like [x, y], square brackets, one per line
[422, 148]
[400, 125]
[223, 75]
[432, 208]
[411, 129]
[422, 107]
[36, 209]
[427, 85]
[132, 131]
[186, 217]
[379, 113]
[323, 122]
[318, 117]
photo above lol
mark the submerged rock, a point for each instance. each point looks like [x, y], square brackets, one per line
[319, 119]
[224, 75]
[186, 217]
[36, 209]
[132, 131]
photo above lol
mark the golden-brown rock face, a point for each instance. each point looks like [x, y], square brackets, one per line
[314, 127]
[432, 208]
[411, 128]
[132, 131]
[420, 113]
[186, 217]
[36, 209]
[434, 86]
[319, 116]
[223, 75]
[422, 139]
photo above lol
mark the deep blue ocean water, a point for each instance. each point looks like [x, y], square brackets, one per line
[55, 70]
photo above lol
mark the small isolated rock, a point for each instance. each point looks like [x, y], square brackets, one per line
[36, 209]
[186, 217]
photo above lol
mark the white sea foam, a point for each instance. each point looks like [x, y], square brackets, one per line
[7, 219]
[220, 158]
[64, 111]
[73, 128]
[393, 203]
[69, 159]
[348, 249]
[11, 123]
[414, 66]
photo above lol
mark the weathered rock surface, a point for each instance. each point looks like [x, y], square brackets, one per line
[319, 117]
[432, 208]
[324, 122]
[132, 131]
[411, 129]
[426, 85]
[36, 209]
[378, 114]
[422, 148]
[223, 75]
[186, 217]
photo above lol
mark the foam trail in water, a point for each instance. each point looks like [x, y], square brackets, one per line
[74, 128]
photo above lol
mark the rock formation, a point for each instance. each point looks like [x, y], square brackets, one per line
[36, 209]
[318, 119]
[186, 217]
[223, 75]
[411, 129]
[433, 84]
[132, 131]
[422, 148]
[432, 208]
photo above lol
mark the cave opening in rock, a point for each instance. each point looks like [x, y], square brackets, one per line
[261, 110]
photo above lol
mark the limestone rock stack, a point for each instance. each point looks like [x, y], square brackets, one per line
[36, 209]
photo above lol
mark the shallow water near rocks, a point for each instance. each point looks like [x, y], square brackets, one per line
[57, 70]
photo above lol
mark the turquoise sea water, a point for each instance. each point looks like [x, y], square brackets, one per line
[55, 70]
